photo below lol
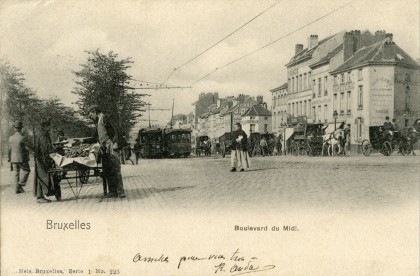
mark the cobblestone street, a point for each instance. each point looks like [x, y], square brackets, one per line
[355, 183]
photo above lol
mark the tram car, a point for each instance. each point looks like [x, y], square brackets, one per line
[177, 142]
[151, 142]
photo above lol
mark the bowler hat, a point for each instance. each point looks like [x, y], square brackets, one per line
[18, 124]
[238, 124]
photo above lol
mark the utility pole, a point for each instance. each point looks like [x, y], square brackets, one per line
[173, 104]
[154, 109]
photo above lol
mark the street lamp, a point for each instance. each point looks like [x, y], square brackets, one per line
[335, 115]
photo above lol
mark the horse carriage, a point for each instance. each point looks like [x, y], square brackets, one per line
[225, 142]
[307, 139]
[386, 142]
[203, 145]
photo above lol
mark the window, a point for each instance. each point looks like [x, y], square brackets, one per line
[319, 113]
[341, 102]
[309, 79]
[274, 101]
[359, 128]
[305, 81]
[342, 78]
[313, 113]
[293, 83]
[319, 87]
[300, 83]
[325, 113]
[252, 127]
[335, 80]
[304, 108]
[360, 74]
[360, 97]
[325, 86]
[348, 76]
[348, 102]
[252, 117]
[335, 101]
[275, 119]
[265, 127]
[293, 108]
[266, 118]
[313, 88]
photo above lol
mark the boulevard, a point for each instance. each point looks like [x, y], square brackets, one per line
[199, 184]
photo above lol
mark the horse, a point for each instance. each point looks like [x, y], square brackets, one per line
[332, 141]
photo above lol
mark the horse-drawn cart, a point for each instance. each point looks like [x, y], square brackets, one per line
[307, 139]
[386, 142]
[225, 143]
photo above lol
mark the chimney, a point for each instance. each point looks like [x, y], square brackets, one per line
[390, 36]
[350, 44]
[312, 41]
[298, 48]
[380, 35]
[259, 100]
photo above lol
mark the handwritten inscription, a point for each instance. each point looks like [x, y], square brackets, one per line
[236, 263]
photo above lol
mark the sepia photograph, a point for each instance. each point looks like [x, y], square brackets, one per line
[198, 137]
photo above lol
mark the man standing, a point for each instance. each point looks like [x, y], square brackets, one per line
[107, 138]
[239, 155]
[43, 162]
[19, 157]
[263, 146]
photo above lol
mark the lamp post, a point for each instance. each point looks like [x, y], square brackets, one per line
[335, 115]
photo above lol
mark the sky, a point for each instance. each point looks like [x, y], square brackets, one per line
[47, 40]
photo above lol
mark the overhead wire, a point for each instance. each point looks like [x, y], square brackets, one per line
[221, 40]
[272, 42]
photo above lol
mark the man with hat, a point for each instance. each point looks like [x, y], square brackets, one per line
[108, 139]
[19, 157]
[387, 133]
[43, 163]
[239, 158]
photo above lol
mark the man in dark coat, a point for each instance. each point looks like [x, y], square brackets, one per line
[108, 139]
[43, 162]
[239, 158]
[19, 157]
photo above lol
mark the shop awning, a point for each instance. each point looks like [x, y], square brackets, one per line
[330, 127]
[288, 132]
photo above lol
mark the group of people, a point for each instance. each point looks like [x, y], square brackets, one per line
[41, 144]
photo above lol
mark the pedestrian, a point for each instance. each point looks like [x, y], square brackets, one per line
[59, 145]
[347, 139]
[111, 165]
[43, 185]
[18, 156]
[263, 146]
[239, 158]
[137, 150]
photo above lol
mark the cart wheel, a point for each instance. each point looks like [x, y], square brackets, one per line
[386, 148]
[84, 176]
[366, 147]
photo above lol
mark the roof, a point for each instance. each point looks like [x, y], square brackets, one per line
[283, 86]
[382, 52]
[326, 59]
[305, 53]
[257, 110]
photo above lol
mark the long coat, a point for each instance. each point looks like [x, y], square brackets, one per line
[43, 162]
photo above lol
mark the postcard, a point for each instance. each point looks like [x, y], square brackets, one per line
[210, 137]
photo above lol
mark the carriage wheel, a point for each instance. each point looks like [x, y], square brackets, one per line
[405, 148]
[386, 148]
[84, 176]
[366, 147]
